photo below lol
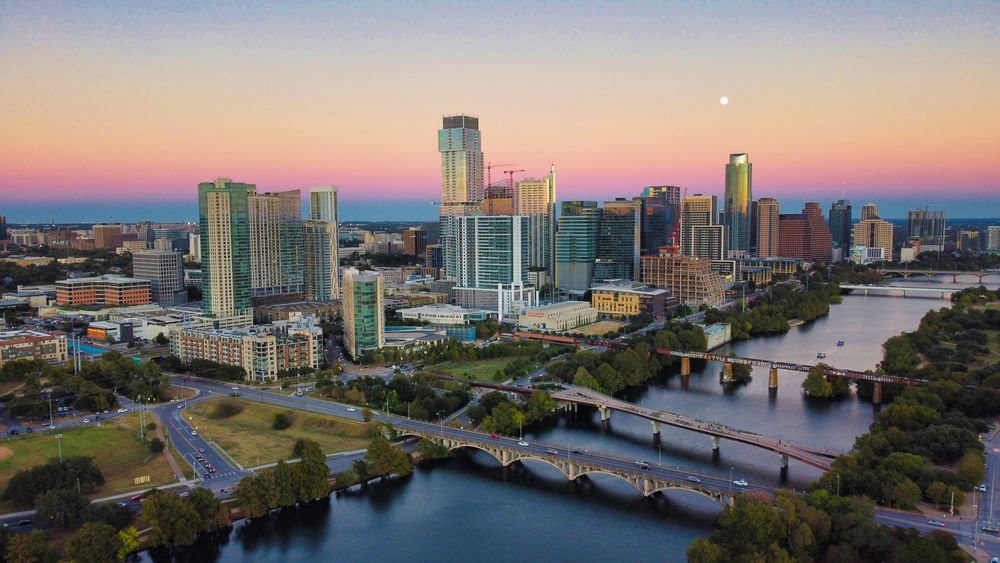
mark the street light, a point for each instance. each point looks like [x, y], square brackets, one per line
[59, 441]
[731, 483]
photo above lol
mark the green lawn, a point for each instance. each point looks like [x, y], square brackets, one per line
[478, 370]
[114, 445]
[249, 438]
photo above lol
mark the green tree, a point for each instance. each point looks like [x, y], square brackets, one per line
[129, 538]
[366, 415]
[311, 474]
[94, 542]
[256, 495]
[284, 484]
[64, 507]
[32, 547]
[704, 551]
[583, 378]
[171, 520]
[903, 494]
[970, 468]
[816, 385]
[156, 446]
[540, 405]
[281, 421]
[210, 510]
[937, 492]
[385, 459]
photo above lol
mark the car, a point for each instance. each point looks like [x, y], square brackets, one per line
[552, 451]
[29, 430]
[995, 560]
[641, 464]
[137, 498]
[24, 522]
[211, 470]
[86, 420]
[495, 436]
[122, 410]
[522, 443]
[104, 412]
[577, 451]
[180, 406]
[937, 523]
[122, 503]
[201, 450]
[352, 409]
[741, 483]
[194, 432]
[694, 479]
[52, 427]
[989, 529]
[982, 487]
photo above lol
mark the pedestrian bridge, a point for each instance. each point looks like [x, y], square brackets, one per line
[815, 456]
[930, 275]
[647, 479]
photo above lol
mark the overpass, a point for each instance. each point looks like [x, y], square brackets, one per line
[821, 458]
[729, 361]
[931, 274]
[943, 293]
[648, 478]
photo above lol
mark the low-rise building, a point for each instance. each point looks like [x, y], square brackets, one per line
[104, 331]
[103, 290]
[691, 279]
[32, 345]
[263, 351]
[443, 314]
[626, 298]
[558, 317]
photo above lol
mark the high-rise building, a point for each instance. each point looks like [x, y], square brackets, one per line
[653, 228]
[766, 220]
[323, 204]
[225, 247]
[869, 211]
[490, 264]
[576, 245]
[144, 231]
[804, 235]
[874, 233]
[319, 242]
[993, 238]
[926, 225]
[3, 227]
[194, 246]
[165, 271]
[362, 311]
[499, 200]
[536, 200]
[841, 223]
[697, 211]
[107, 236]
[323, 207]
[689, 278]
[736, 216]
[460, 145]
[275, 228]
[415, 241]
[618, 240]
[709, 241]
[671, 196]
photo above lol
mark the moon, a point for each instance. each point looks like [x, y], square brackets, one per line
[724, 101]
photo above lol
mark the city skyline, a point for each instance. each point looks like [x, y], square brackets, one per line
[609, 126]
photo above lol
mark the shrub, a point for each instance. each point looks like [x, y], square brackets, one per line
[282, 421]
[156, 445]
[226, 408]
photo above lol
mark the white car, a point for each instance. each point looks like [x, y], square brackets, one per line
[352, 409]
[122, 410]
[194, 432]
[741, 483]
[86, 420]
[523, 444]
[694, 479]
[180, 406]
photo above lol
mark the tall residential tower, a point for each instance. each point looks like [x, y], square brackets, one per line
[736, 217]
[225, 248]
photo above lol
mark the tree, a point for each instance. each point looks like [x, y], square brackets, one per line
[210, 511]
[704, 551]
[171, 520]
[310, 475]
[385, 459]
[256, 495]
[161, 339]
[366, 415]
[282, 421]
[129, 538]
[94, 542]
[62, 507]
[904, 494]
[937, 492]
[72, 472]
[970, 468]
[156, 446]
[816, 385]
[30, 548]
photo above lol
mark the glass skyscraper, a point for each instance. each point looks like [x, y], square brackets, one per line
[618, 240]
[736, 216]
[275, 223]
[362, 310]
[225, 248]
[576, 245]
[460, 145]
[841, 222]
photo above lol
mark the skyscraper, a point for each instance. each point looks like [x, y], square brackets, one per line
[275, 228]
[768, 210]
[460, 145]
[804, 235]
[165, 271]
[319, 252]
[841, 223]
[926, 225]
[736, 216]
[874, 233]
[536, 200]
[3, 227]
[653, 228]
[323, 207]
[362, 311]
[107, 236]
[671, 196]
[993, 238]
[576, 245]
[696, 211]
[490, 263]
[869, 211]
[225, 248]
[415, 241]
[618, 240]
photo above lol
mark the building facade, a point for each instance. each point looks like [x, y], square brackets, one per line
[103, 290]
[363, 312]
[275, 229]
[225, 247]
[926, 225]
[107, 236]
[558, 317]
[841, 223]
[690, 279]
[165, 271]
[626, 298]
[696, 211]
[766, 220]
[805, 235]
[736, 216]
[33, 345]
[460, 145]
[576, 245]
[618, 239]
[321, 271]
[536, 200]
[873, 233]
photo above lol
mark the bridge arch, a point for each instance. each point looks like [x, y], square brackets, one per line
[706, 494]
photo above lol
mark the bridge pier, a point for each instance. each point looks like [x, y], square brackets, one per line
[715, 443]
[877, 393]
[656, 428]
[772, 378]
[605, 413]
[784, 461]
[685, 366]
[727, 372]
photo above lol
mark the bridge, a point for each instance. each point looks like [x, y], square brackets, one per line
[648, 478]
[815, 456]
[931, 274]
[729, 361]
[943, 293]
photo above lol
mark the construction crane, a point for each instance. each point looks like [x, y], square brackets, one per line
[511, 174]
[489, 172]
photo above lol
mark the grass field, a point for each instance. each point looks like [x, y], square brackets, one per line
[249, 438]
[600, 328]
[479, 370]
[114, 445]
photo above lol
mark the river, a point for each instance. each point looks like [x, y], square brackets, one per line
[469, 509]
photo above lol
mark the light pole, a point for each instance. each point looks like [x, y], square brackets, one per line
[730, 483]
[51, 422]
[59, 441]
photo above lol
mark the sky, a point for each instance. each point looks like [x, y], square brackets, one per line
[109, 110]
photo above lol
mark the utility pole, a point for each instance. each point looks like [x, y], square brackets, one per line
[59, 442]
[952, 510]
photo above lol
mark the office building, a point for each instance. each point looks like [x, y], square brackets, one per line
[841, 223]
[362, 311]
[709, 241]
[869, 211]
[993, 238]
[3, 227]
[415, 242]
[558, 317]
[165, 271]
[107, 236]
[873, 233]
[691, 279]
[671, 196]
[225, 247]
[805, 235]
[653, 226]
[696, 211]
[460, 145]
[736, 216]
[926, 225]
[194, 247]
[627, 298]
[767, 226]
[536, 200]
[275, 229]
[618, 240]
[265, 352]
[319, 243]
[576, 245]
[103, 290]
[33, 345]
[968, 241]
[499, 200]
